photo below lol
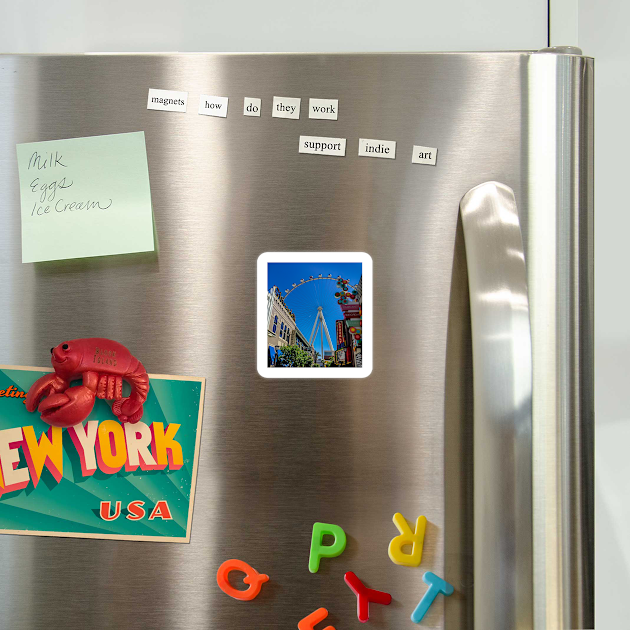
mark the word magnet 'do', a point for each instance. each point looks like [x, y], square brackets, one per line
[252, 577]
[319, 550]
[407, 537]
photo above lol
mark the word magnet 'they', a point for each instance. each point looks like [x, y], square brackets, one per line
[319, 550]
[407, 537]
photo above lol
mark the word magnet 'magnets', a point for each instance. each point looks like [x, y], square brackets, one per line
[407, 537]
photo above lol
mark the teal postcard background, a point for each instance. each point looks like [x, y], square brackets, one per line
[72, 505]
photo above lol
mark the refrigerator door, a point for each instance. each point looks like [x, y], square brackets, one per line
[278, 455]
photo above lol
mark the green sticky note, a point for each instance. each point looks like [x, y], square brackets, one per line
[85, 197]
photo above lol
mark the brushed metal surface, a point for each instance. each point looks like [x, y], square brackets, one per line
[560, 274]
[502, 372]
[275, 455]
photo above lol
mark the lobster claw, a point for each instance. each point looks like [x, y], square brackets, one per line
[43, 386]
[68, 408]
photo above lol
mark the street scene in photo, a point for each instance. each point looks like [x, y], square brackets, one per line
[314, 315]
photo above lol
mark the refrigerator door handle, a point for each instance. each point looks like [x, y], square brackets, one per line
[502, 375]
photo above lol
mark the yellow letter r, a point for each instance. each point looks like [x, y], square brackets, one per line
[407, 537]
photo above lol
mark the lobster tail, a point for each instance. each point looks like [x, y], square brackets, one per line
[139, 381]
[130, 409]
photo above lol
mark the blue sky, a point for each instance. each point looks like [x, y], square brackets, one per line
[304, 300]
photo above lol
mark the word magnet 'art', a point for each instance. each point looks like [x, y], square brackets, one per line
[365, 596]
[98, 448]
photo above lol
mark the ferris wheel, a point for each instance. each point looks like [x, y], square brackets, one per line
[315, 299]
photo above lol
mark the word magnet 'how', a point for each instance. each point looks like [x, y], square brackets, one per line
[407, 537]
[252, 577]
[309, 623]
[436, 586]
[319, 550]
[365, 595]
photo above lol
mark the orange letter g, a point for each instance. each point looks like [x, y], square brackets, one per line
[252, 577]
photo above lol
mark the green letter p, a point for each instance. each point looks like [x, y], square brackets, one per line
[319, 551]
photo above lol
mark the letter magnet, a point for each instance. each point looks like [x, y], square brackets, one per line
[407, 537]
[319, 551]
[252, 577]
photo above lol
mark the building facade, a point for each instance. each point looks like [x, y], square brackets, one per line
[281, 327]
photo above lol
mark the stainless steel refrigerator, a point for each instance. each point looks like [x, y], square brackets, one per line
[478, 412]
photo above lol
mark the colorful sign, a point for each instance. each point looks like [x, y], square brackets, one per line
[101, 478]
[341, 338]
[351, 311]
[352, 307]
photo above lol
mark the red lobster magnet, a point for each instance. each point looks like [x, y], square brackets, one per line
[102, 364]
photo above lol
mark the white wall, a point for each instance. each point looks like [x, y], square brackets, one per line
[259, 25]
[603, 29]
